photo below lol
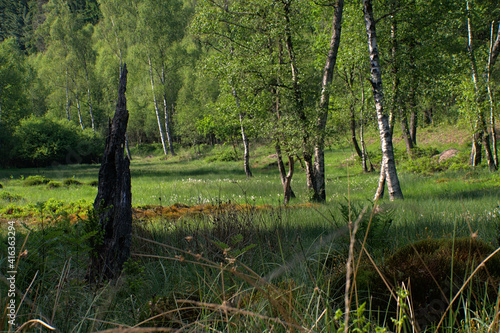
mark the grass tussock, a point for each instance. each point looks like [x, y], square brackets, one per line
[36, 180]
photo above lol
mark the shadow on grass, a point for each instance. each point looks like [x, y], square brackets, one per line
[187, 261]
[470, 194]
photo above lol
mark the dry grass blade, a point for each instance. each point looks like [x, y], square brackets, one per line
[226, 308]
[64, 275]
[139, 330]
[35, 321]
[495, 325]
[299, 257]
[387, 284]
[464, 285]
[353, 228]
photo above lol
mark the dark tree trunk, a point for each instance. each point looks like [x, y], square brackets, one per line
[287, 184]
[113, 202]
[353, 134]
[364, 154]
[288, 192]
[68, 102]
[397, 102]
[412, 96]
[406, 132]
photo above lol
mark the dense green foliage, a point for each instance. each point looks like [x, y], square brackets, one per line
[214, 67]
[41, 141]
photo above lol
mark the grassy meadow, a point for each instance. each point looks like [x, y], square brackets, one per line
[214, 251]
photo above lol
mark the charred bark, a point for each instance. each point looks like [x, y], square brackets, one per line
[113, 202]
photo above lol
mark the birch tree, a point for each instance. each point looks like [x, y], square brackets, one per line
[319, 153]
[388, 172]
[161, 26]
[481, 135]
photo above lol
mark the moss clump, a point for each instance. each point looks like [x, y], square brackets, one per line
[427, 265]
[94, 183]
[71, 181]
[53, 184]
[36, 180]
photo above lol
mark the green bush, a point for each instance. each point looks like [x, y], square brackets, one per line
[223, 155]
[42, 141]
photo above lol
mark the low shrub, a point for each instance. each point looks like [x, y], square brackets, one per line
[6, 196]
[36, 180]
[148, 149]
[223, 155]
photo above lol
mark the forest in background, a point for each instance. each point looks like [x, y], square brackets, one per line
[210, 72]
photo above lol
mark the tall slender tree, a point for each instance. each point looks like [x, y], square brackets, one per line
[319, 153]
[388, 171]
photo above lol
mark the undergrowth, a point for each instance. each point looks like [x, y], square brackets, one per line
[244, 269]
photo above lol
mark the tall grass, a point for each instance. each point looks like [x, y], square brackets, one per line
[258, 268]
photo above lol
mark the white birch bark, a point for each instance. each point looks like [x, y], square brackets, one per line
[493, 53]
[246, 156]
[481, 132]
[162, 135]
[168, 126]
[89, 96]
[79, 110]
[388, 167]
[68, 102]
[319, 148]
[307, 152]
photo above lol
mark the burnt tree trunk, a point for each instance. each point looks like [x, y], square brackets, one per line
[113, 203]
